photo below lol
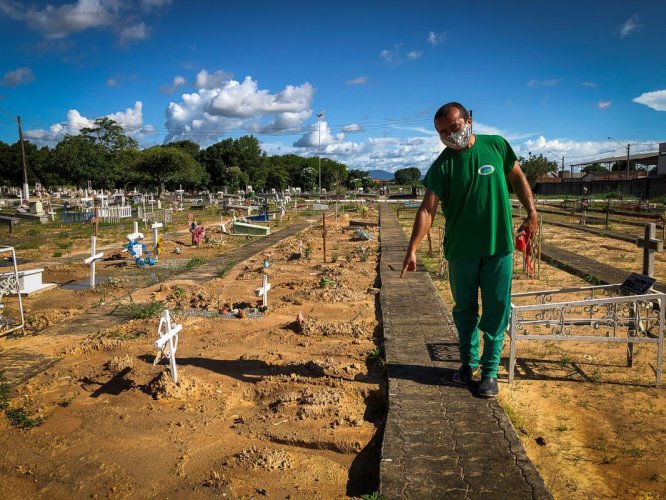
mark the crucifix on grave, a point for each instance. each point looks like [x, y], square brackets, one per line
[94, 257]
[650, 244]
[167, 342]
[155, 228]
[262, 291]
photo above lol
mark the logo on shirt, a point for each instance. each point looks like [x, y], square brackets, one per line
[486, 170]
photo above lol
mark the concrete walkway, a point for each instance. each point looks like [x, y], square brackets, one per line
[440, 441]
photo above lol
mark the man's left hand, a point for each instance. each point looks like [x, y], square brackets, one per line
[529, 225]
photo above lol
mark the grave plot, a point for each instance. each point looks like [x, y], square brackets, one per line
[285, 403]
[593, 426]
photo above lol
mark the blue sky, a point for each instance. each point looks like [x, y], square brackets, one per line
[556, 78]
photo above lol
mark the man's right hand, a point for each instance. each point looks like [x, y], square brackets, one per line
[409, 264]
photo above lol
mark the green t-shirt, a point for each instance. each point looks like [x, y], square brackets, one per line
[472, 189]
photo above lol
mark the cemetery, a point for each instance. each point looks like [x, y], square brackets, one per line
[158, 328]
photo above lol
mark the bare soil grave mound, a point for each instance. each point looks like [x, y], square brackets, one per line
[266, 406]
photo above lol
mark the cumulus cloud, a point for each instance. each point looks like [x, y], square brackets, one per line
[352, 128]
[134, 33]
[604, 104]
[131, 120]
[655, 100]
[178, 82]
[631, 25]
[544, 83]
[58, 22]
[415, 54]
[19, 76]
[208, 114]
[435, 39]
[361, 80]
[319, 134]
[214, 80]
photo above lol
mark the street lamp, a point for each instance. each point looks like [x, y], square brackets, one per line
[628, 148]
[319, 115]
[26, 189]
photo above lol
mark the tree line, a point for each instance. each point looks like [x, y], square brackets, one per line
[104, 155]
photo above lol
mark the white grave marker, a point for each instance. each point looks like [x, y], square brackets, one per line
[167, 342]
[155, 227]
[262, 291]
[94, 257]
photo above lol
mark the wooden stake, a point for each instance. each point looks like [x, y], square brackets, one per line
[323, 218]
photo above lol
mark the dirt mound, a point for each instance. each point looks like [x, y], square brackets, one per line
[334, 328]
[34, 323]
[265, 458]
[93, 344]
[188, 388]
[118, 364]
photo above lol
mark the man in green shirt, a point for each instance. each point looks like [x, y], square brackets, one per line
[469, 179]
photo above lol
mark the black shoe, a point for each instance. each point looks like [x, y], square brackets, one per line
[488, 387]
[464, 375]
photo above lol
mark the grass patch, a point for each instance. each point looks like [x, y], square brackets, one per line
[224, 270]
[57, 254]
[197, 261]
[20, 417]
[143, 311]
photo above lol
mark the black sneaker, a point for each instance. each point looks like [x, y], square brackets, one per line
[488, 387]
[465, 375]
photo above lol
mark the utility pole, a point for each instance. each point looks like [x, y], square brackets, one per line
[628, 146]
[319, 115]
[26, 189]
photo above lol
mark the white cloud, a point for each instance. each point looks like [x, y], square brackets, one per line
[655, 100]
[544, 83]
[131, 120]
[361, 80]
[588, 84]
[631, 25]
[319, 134]
[435, 39]
[352, 128]
[58, 22]
[209, 114]
[134, 33]
[178, 82]
[604, 104]
[19, 76]
[394, 56]
[214, 80]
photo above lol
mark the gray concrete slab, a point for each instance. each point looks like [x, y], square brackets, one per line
[440, 440]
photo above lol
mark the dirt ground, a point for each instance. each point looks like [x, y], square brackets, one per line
[266, 405]
[594, 427]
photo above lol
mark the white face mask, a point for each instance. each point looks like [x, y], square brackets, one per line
[458, 140]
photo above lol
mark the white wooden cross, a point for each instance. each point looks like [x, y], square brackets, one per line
[650, 244]
[167, 342]
[155, 227]
[94, 257]
[262, 291]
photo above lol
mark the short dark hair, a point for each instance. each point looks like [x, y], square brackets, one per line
[446, 109]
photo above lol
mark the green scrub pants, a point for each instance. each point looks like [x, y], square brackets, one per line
[493, 276]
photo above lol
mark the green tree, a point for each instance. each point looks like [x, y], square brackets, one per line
[80, 160]
[594, 167]
[621, 166]
[536, 166]
[162, 166]
[407, 176]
